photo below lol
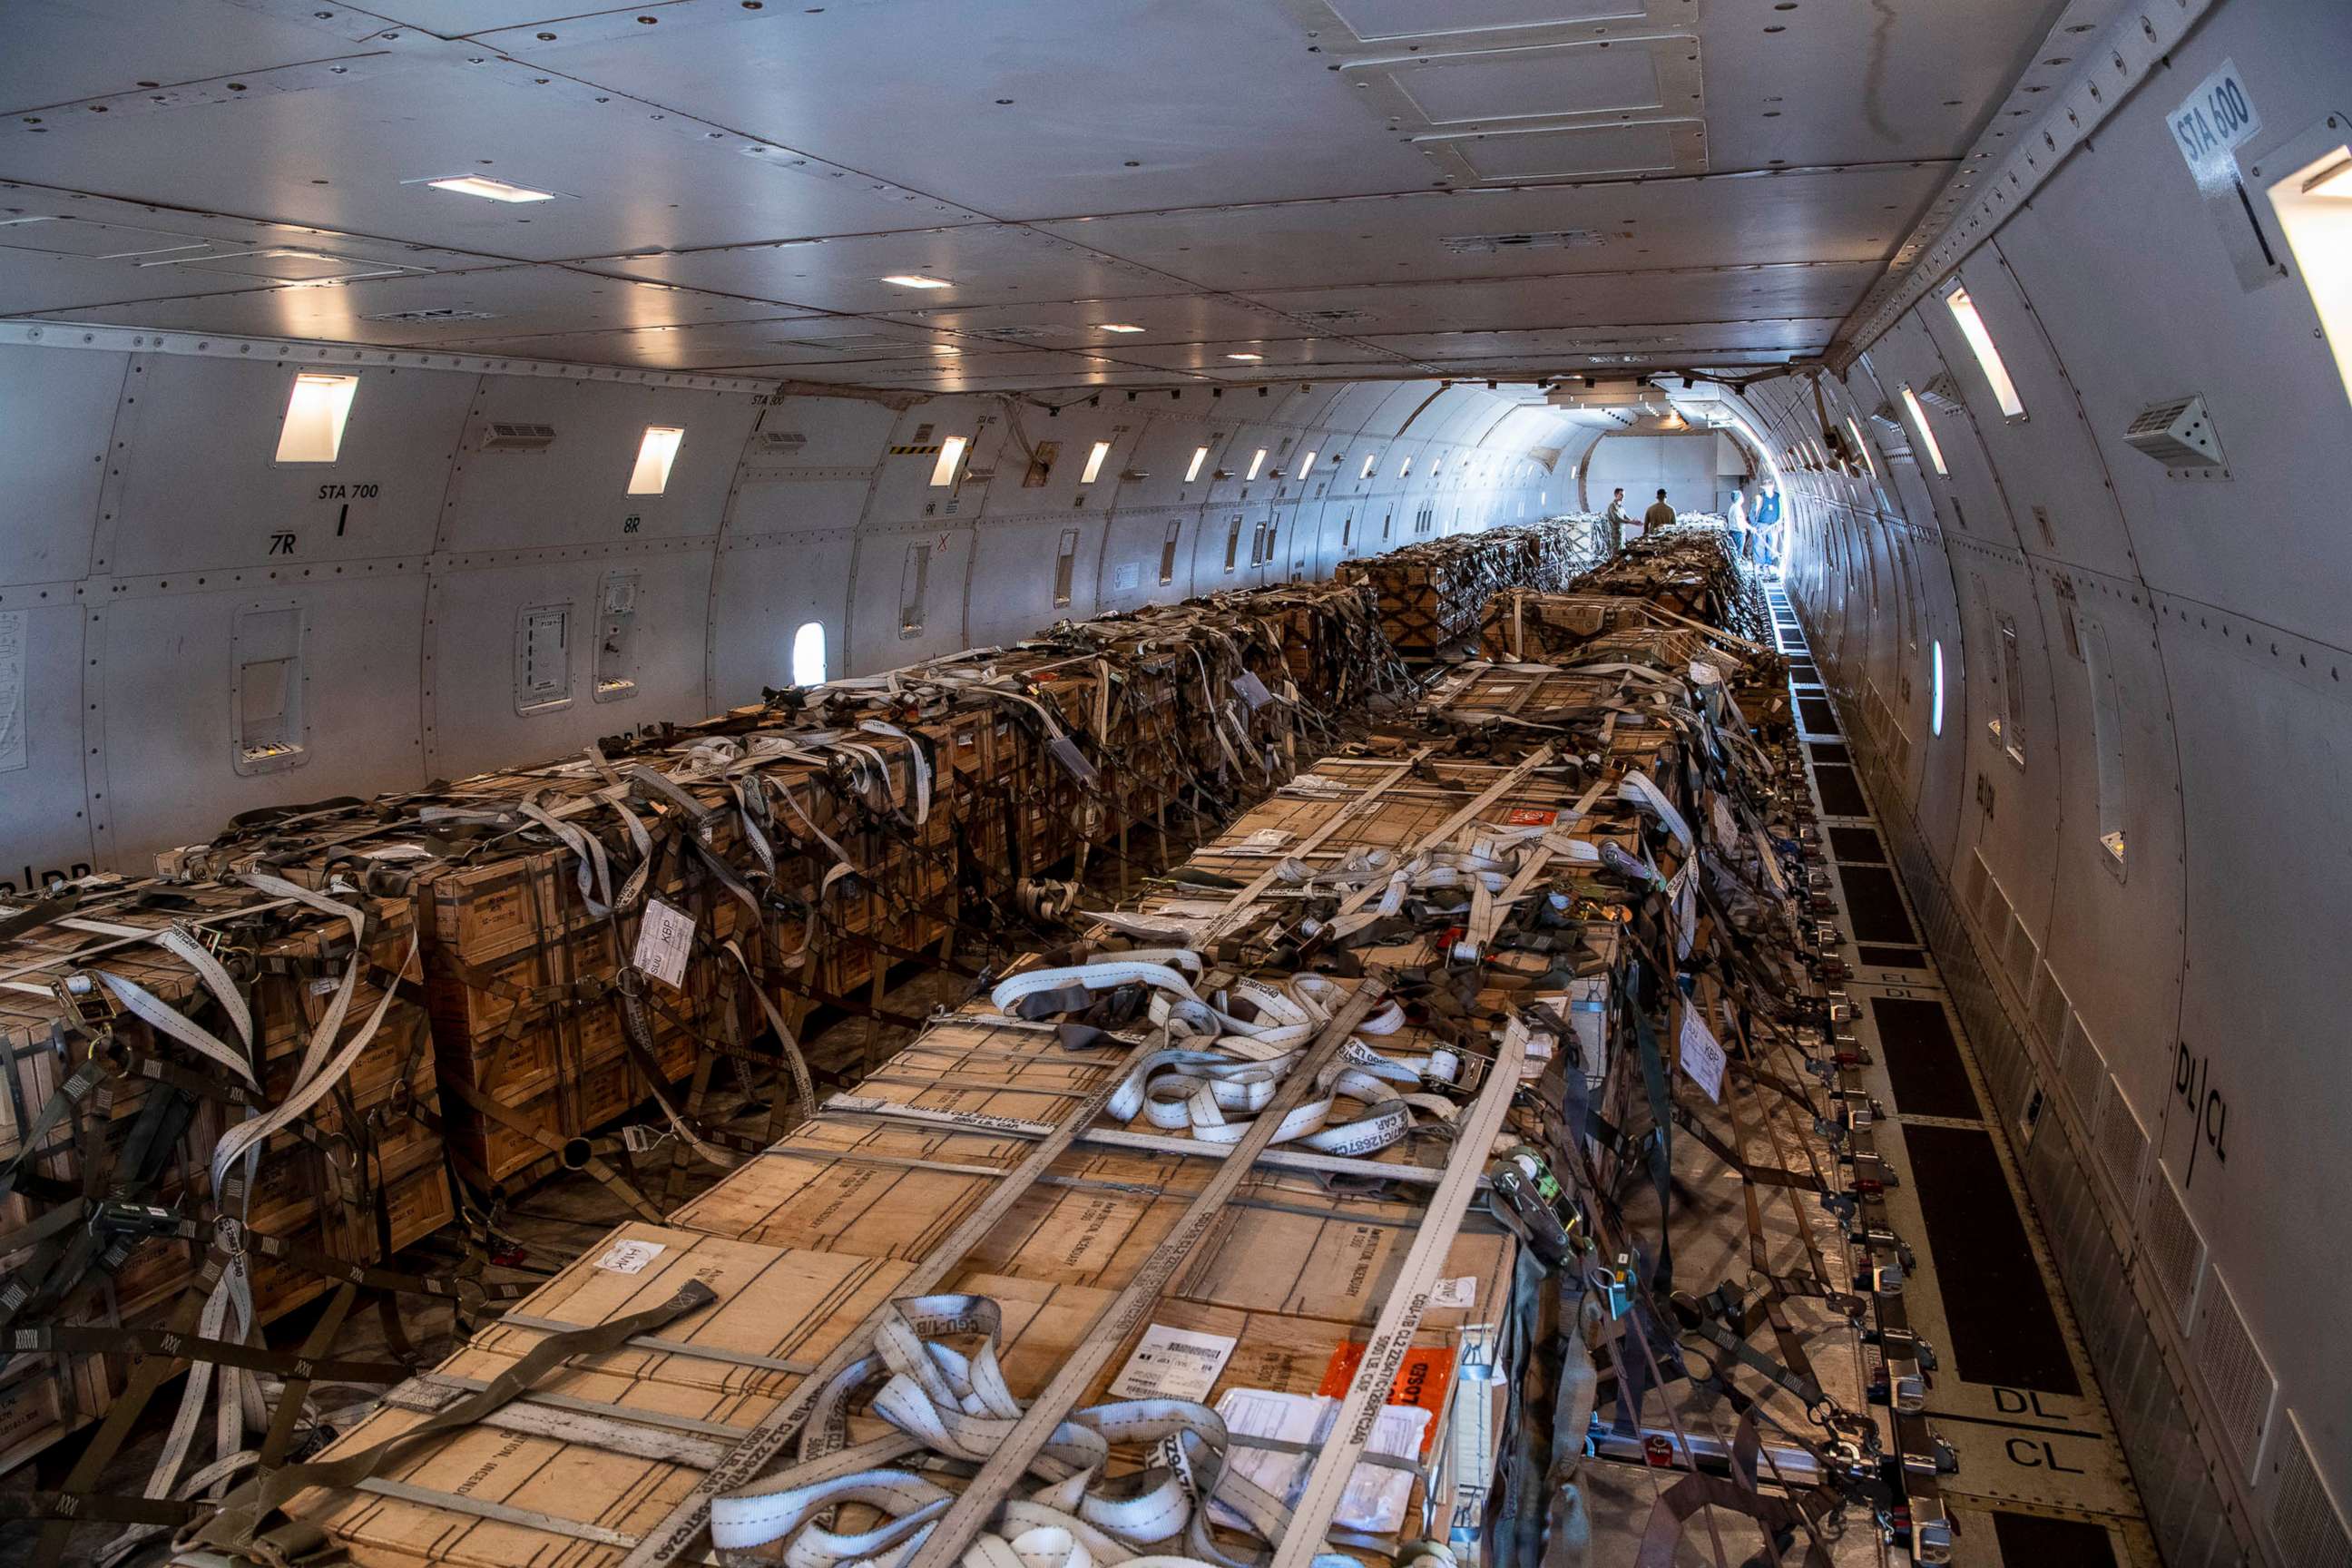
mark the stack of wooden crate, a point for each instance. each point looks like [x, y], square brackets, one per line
[1429, 595]
[112, 1115]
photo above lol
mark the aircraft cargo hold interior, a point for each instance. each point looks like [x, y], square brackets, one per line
[1198, 784]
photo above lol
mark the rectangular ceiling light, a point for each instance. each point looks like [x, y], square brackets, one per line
[1192, 471]
[1404, 469]
[655, 453]
[1095, 462]
[917, 280]
[1245, 356]
[1307, 463]
[1370, 463]
[1256, 464]
[1121, 327]
[1972, 327]
[492, 190]
[943, 472]
[315, 416]
[1927, 436]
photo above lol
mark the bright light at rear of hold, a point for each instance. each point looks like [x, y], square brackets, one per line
[1256, 463]
[1936, 700]
[2313, 204]
[315, 416]
[1193, 469]
[943, 472]
[1927, 436]
[1972, 327]
[917, 280]
[492, 190]
[1095, 462]
[655, 453]
[808, 654]
[1121, 327]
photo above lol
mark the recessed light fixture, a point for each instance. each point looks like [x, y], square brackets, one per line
[1245, 356]
[945, 349]
[917, 280]
[489, 189]
[1121, 327]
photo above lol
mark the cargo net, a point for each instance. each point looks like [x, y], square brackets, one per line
[1440, 1165]
[1429, 596]
[243, 1086]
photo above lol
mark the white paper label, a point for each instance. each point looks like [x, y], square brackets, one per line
[1461, 1291]
[1267, 838]
[2211, 123]
[630, 1257]
[398, 852]
[1173, 1364]
[1375, 1499]
[663, 941]
[1251, 689]
[14, 656]
[1699, 1055]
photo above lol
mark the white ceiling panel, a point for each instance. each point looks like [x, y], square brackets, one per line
[800, 343]
[1273, 353]
[1357, 185]
[995, 264]
[440, 308]
[1079, 323]
[1115, 104]
[1845, 216]
[352, 157]
[1567, 344]
[58, 51]
[1666, 296]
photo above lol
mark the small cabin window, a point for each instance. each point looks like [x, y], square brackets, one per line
[1093, 470]
[2107, 740]
[951, 459]
[808, 654]
[1167, 552]
[1233, 541]
[1066, 564]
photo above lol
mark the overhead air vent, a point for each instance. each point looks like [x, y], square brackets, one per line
[1942, 392]
[2176, 433]
[519, 438]
[1547, 239]
[1885, 417]
[446, 313]
[778, 443]
[1333, 318]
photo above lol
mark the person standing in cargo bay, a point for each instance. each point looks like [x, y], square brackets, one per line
[1659, 515]
[1616, 519]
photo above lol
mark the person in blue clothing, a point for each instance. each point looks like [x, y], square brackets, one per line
[1767, 524]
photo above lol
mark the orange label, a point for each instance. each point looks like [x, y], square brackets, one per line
[1531, 816]
[1421, 1381]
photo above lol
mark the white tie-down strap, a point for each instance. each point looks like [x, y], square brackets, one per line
[158, 1014]
[595, 872]
[1637, 787]
[955, 1405]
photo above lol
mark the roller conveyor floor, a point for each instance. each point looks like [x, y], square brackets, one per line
[2041, 1478]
